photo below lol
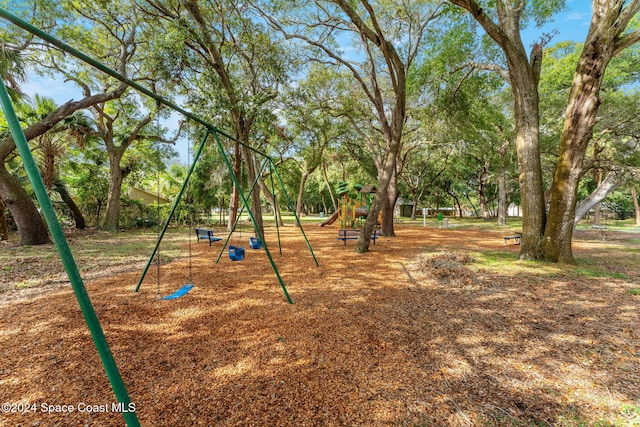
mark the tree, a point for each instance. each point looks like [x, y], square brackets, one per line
[605, 40]
[4, 226]
[550, 238]
[311, 120]
[86, 173]
[612, 156]
[12, 69]
[605, 187]
[51, 148]
[502, 23]
[31, 227]
[636, 205]
[230, 56]
[112, 31]
[389, 37]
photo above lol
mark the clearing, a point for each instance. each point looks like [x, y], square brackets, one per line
[434, 327]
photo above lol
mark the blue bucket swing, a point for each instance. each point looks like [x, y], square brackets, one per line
[255, 243]
[236, 253]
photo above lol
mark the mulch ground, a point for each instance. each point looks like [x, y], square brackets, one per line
[410, 333]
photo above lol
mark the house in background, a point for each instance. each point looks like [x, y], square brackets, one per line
[146, 197]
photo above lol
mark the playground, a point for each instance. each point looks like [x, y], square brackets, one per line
[433, 327]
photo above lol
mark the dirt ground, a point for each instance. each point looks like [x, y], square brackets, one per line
[433, 327]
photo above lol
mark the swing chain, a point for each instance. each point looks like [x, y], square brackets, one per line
[190, 208]
[158, 260]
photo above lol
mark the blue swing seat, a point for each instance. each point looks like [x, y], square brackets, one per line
[255, 243]
[236, 253]
[180, 292]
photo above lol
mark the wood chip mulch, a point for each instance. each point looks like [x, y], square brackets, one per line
[411, 333]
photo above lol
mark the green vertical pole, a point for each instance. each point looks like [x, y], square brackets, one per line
[173, 209]
[70, 266]
[292, 207]
[253, 220]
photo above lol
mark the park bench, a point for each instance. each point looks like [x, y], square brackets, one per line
[515, 237]
[345, 235]
[204, 234]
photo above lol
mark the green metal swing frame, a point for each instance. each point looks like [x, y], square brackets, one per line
[55, 228]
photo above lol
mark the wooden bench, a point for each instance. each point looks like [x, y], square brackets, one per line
[204, 234]
[345, 235]
[516, 238]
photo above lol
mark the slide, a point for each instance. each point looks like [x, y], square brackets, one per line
[331, 219]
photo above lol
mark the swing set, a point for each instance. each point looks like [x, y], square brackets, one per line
[55, 228]
[235, 253]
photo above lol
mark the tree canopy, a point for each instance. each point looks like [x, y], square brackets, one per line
[436, 103]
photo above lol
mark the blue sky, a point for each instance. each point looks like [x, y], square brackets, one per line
[571, 24]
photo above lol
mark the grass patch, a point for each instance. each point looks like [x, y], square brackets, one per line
[494, 258]
[93, 251]
[594, 272]
[634, 291]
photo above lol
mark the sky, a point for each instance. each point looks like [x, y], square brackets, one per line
[571, 24]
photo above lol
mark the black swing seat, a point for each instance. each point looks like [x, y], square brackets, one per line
[204, 234]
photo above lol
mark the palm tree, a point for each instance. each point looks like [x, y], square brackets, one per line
[12, 70]
[52, 146]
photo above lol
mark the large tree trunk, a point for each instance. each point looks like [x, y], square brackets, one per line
[388, 207]
[483, 178]
[382, 193]
[580, 118]
[606, 186]
[528, 150]
[234, 202]
[31, 226]
[256, 202]
[4, 226]
[60, 188]
[116, 177]
[636, 205]
[523, 76]
[502, 197]
[303, 182]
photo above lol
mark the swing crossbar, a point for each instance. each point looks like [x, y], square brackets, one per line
[180, 292]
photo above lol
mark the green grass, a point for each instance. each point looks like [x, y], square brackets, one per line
[27, 266]
[597, 272]
[494, 258]
[634, 291]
